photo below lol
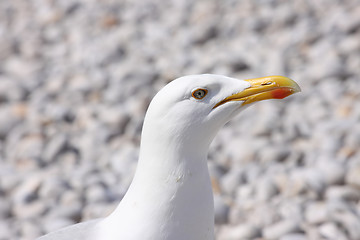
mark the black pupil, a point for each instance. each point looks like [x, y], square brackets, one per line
[199, 93]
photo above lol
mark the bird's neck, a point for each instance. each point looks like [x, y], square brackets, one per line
[171, 194]
[166, 155]
[170, 151]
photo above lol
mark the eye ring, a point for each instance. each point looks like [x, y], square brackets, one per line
[199, 93]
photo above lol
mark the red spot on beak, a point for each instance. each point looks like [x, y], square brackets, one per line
[281, 93]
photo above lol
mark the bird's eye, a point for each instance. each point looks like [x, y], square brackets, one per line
[199, 93]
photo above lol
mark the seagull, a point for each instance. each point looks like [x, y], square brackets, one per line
[170, 197]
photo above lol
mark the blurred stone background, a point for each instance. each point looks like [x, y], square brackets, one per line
[76, 77]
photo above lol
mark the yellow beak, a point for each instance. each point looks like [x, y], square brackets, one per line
[272, 87]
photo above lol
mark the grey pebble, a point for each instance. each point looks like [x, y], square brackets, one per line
[231, 180]
[5, 208]
[331, 231]
[9, 118]
[265, 189]
[346, 193]
[54, 147]
[51, 188]
[26, 191]
[221, 210]
[333, 172]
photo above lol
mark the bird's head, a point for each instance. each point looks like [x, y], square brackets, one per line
[192, 109]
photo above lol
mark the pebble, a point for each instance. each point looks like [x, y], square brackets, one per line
[5, 230]
[353, 176]
[333, 172]
[8, 120]
[244, 192]
[244, 231]
[346, 193]
[292, 209]
[257, 217]
[294, 236]
[29, 210]
[344, 215]
[29, 149]
[331, 231]
[5, 209]
[26, 192]
[11, 91]
[92, 211]
[71, 212]
[54, 147]
[30, 229]
[266, 189]
[279, 229]
[316, 212]
[57, 223]
[231, 180]
[96, 193]
[221, 210]
[70, 197]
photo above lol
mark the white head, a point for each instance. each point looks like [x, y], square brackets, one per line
[191, 109]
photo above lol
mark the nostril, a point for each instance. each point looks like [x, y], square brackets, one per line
[267, 83]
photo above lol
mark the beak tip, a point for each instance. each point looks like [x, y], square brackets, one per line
[295, 88]
[286, 87]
